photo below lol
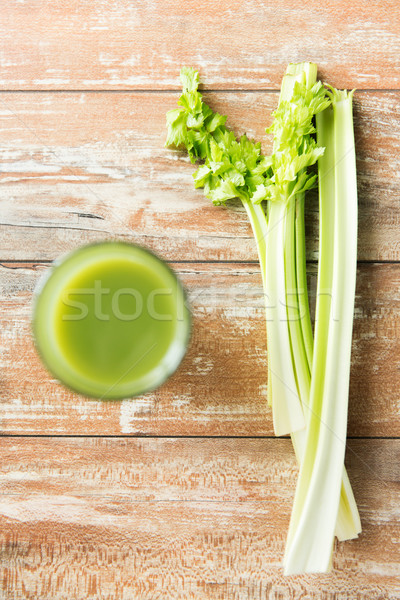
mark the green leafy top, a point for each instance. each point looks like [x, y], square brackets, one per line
[237, 168]
[232, 168]
[294, 147]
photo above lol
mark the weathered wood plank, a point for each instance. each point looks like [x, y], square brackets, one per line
[82, 167]
[220, 388]
[182, 519]
[75, 45]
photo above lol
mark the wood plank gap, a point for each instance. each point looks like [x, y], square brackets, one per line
[145, 91]
[145, 436]
[177, 437]
[44, 261]
[175, 91]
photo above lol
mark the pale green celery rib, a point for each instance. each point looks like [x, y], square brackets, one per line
[319, 488]
[259, 225]
[296, 280]
[294, 72]
[348, 525]
[286, 406]
[269, 374]
[287, 410]
[348, 522]
[300, 359]
[302, 341]
[286, 399]
[301, 276]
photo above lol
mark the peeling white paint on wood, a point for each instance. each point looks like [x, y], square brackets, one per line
[220, 388]
[148, 43]
[79, 158]
[177, 513]
[132, 410]
[151, 518]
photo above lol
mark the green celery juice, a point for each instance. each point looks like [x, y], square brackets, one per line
[111, 320]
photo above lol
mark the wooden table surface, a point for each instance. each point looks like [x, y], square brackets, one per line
[183, 493]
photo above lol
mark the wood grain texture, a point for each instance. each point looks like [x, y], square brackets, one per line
[83, 167]
[98, 44]
[220, 388]
[82, 158]
[113, 519]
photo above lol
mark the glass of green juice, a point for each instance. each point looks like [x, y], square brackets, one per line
[111, 320]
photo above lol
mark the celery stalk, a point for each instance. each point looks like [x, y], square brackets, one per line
[236, 168]
[301, 276]
[348, 524]
[289, 370]
[258, 221]
[286, 405]
[299, 354]
[320, 489]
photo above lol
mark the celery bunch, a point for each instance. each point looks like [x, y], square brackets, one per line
[308, 402]
[311, 531]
